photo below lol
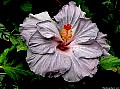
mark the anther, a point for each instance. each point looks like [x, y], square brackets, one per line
[66, 32]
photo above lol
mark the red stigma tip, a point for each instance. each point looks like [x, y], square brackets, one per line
[67, 26]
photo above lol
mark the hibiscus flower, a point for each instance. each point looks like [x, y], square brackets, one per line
[69, 46]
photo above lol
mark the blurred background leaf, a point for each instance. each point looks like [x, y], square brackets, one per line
[4, 33]
[6, 2]
[26, 7]
[117, 29]
[108, 4]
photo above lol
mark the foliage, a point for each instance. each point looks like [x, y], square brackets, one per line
[108, 4]
[3, 56]
[6, 2]
[84, 8]
[13, 71]
[4, 34]
[110, 63]
[15, 40]
[26, 7]
[113, 9]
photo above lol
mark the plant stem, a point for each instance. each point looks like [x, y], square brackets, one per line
[116, 3]
[60, 4]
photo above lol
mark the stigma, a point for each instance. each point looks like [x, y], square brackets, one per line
[66, 33]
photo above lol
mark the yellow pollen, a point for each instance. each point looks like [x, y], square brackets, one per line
[66, 34]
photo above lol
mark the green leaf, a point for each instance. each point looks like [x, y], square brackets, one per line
[0, 35]
[86, 10]
[3, 56]
[14, 40]
[1, 25]
[26, 7]
[109, 17]
[110, 62]
[117, 28]
[109, 5]
[78, 2]
[4, 34]
[118, 69]
[5, 2]
[21, 47]
[15, 72]
[107, 2]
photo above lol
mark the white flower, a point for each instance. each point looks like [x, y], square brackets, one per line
[69, 47]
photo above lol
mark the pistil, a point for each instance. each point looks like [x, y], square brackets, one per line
[66, 33]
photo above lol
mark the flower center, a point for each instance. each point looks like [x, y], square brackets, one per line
[66, 33]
